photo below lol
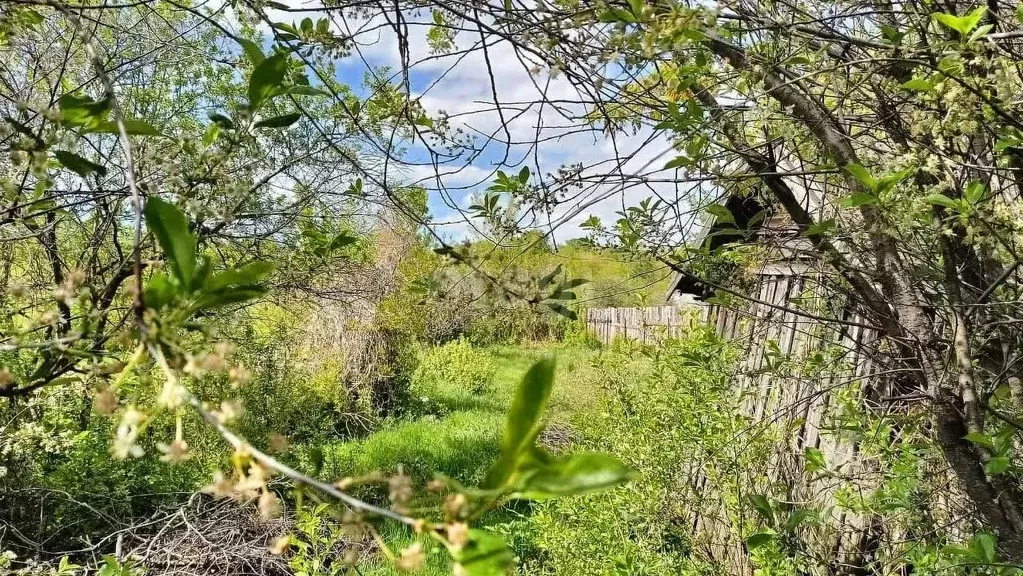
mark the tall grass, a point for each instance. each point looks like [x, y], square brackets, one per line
[457, 433]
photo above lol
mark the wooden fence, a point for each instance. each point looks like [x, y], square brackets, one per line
[794, 407]
[643, 324]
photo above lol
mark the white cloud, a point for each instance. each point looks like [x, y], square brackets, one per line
[516, 115]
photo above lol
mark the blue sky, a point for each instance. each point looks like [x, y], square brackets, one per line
[459, 85]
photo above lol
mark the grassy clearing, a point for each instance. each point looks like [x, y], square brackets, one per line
[462, 439]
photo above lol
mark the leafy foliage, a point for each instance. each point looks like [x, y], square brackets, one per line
[453, 366]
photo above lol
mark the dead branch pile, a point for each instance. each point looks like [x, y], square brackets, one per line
[206, 537]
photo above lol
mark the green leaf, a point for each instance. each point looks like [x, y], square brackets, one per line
[308, 91]
[822, 227]
[252, 51]
[522, 425]
[961, 24]
[340, 241]
[315, 454]
[576, 474]
[1004, 440]
[222, 119]
[918, 85]
[979, 33]
[720, 214]
[211, 134]
[980, 439]
[677, 162]
[573, 283]
[132, 127]
[66, 567]
[170, 227]
[797, 517]
[524, 175]
[892, 35]
[202, 274]
[860, 173]
[614, 15]
[112, 567]
[814, 459]
[762, 506]
[355, 188]
[246, 275]
[857, 199]
[997, 465]
[282, 121]
[983, 547]
[236, 295]
[485, 554]
[941, 200]
[77, 164]
[561, 310]
[158, 291]
[546, 280]
[1004, 144]
[974, 192]
[759, 539]
[286, 27]
[82, 110]
[267, 79]
[886, 183]
[951, 65]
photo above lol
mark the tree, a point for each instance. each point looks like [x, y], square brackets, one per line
[889, 137]
[167, 164]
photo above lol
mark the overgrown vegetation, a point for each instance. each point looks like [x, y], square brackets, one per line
[281, 287]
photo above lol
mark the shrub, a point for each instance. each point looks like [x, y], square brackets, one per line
[516, 325]
[578, 335]
[455, 368]
[656, 424]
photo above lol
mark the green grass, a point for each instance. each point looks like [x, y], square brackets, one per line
[462, 441]
[454, 445]
[575, 389]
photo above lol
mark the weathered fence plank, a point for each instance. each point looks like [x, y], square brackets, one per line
[642, 324]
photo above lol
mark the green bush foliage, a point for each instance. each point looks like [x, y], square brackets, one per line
[649, 416]
[516, 325]
[578, 335]
[452, 370]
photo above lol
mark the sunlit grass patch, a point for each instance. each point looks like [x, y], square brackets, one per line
[458, 445]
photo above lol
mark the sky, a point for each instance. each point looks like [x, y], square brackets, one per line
[460, 86]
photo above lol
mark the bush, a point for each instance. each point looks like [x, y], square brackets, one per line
[656, 425]
[516, 325]
[455, 368]
[578, 335]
